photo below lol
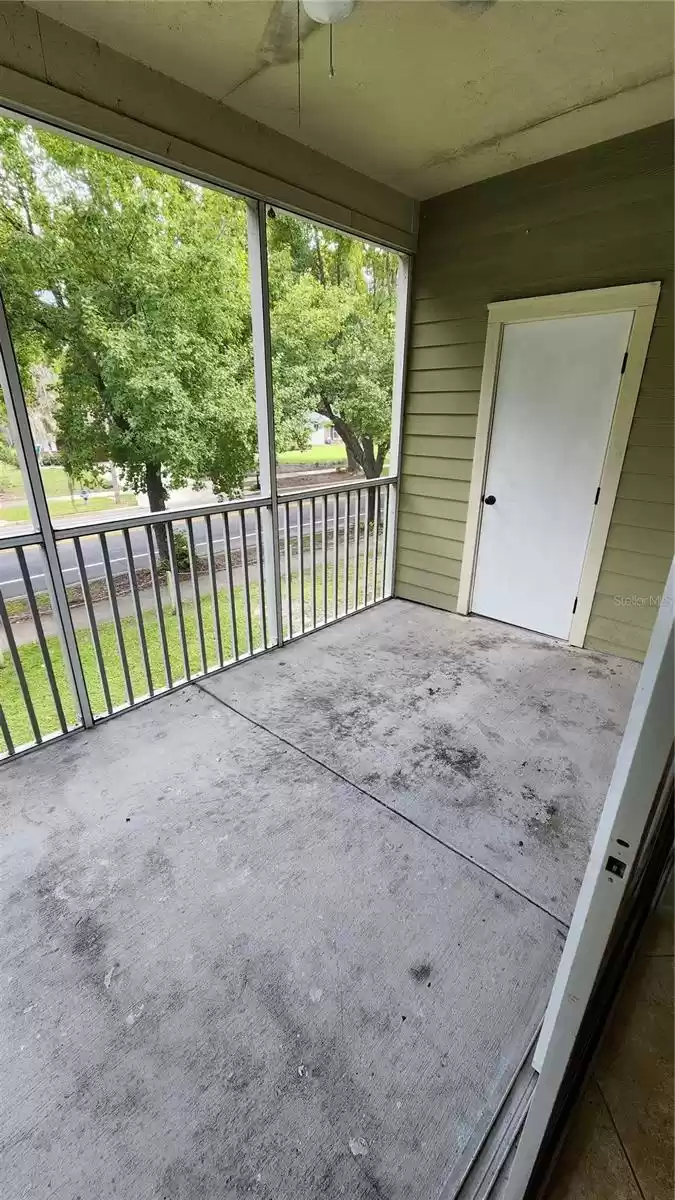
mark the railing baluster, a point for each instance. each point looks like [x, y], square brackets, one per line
[178, 599]
[194, 577]
[377, 540]
[217, 633]
[301, 568]
[289, 582]
[230, 587]
[14, 654]
[261, 575]
[367, 586]
[138, 611]
[247, 593]
[159, 607]
[336, 550]
[37, 621]
[312, 551]
[346, 562]
[357, 548]
[4, 729]
[385, 538]
[324, 558]
[112, 595]
[93, 624]
[368, 493]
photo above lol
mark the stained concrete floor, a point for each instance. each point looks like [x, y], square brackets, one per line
[295, 950]
[498, 741]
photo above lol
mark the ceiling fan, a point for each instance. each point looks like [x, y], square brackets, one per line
[291, 22]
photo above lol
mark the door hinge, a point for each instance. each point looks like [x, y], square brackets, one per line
[597, 496]
[625, 360]
[574, 606]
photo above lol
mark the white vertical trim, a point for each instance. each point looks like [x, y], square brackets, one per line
[488, 386]
[17, 412]
[643, 299]
[401, 338]
[641, 761]
[638, 344]
[264, 403]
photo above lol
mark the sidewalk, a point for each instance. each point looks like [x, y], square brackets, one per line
[286, 481]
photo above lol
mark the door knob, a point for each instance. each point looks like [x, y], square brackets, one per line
[489, 500]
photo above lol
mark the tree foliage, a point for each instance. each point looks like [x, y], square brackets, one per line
[132, 285]
[333, 308]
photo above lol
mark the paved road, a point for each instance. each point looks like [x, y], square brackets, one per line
[12, 585]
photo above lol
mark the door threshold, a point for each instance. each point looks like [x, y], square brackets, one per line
[482, 1169]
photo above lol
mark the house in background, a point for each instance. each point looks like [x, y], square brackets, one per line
[323, 431]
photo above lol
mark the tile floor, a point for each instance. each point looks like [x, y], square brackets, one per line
[620, 1142]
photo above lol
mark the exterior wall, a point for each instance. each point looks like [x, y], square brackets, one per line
[596, 218]
[49, 70]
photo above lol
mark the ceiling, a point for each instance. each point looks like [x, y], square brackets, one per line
[428, 95]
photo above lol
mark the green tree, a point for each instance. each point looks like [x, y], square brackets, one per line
[134, 284]
[333, 303]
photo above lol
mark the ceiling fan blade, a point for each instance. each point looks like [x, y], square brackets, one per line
[279, 42]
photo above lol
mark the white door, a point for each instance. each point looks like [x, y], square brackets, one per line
[555, 397]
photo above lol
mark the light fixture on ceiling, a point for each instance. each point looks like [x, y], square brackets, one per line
[328, 12]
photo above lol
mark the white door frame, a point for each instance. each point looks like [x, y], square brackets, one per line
[642, 299]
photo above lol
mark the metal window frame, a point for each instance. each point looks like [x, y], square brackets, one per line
[401, 241]
[401, 345]
[264, 400]
[19, 421]
[47, 534]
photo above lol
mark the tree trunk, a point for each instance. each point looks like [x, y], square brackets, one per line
[352, 465]
[115, 480]
[360, 454]
[157, 500]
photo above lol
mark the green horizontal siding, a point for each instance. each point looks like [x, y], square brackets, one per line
[596, 218]
[445, 403]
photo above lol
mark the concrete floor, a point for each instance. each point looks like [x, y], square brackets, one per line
[498, 741]
[231, 968]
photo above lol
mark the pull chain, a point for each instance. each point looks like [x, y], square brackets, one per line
[299, 70]
[331, 68]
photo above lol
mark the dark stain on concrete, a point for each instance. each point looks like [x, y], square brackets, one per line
[371, 778]
[88, 938]
[465, 762]
[610, 726]
[420, 972]
[399, 779]
[545, 822]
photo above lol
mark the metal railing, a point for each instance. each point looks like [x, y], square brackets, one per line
[109, 614]
[332, 545]
[35, 699]
[157, 600]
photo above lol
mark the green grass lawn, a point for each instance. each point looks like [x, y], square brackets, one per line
[65, 507]
[36, 676]
[54, 478]
[315, 454]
